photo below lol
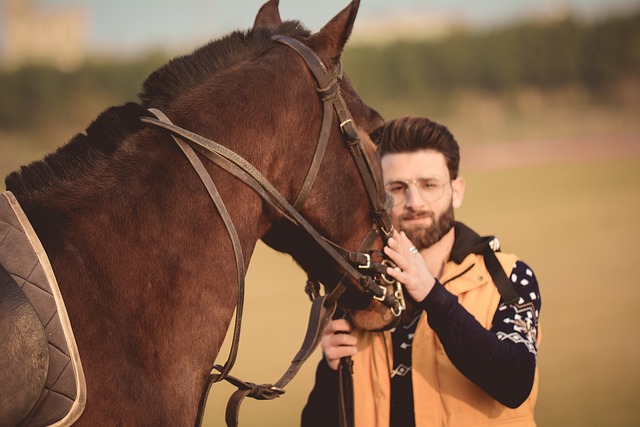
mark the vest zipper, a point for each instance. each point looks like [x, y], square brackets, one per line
[459, 275]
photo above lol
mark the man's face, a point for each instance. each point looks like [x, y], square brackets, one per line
[424, 195]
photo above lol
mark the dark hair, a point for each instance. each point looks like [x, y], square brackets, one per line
[409, 134]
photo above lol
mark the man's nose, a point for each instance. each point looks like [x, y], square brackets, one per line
[413, 198]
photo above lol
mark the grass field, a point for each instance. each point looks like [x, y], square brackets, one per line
[576, 224]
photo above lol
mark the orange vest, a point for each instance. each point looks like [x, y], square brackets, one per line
[442, 395]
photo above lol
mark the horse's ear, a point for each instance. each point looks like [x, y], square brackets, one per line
[330, 40]
[268, 15]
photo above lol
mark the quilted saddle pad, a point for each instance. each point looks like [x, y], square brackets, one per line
[64, 395]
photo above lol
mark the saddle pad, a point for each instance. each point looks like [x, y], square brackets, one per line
[21, 253]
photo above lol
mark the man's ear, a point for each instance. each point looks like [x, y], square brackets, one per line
[458, 185]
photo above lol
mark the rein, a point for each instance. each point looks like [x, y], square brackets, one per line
[323, 307]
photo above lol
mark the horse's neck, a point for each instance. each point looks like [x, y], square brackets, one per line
[147, 268]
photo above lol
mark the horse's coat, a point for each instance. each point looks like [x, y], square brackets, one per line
[142, 259]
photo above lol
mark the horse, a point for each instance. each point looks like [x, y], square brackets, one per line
[143, 258]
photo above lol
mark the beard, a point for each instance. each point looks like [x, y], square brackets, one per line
[424, 237]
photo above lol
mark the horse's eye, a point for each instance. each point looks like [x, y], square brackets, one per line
[375, 136]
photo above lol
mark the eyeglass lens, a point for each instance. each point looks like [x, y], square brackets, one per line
[430, 189]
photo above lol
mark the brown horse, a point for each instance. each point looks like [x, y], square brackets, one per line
[143, 261]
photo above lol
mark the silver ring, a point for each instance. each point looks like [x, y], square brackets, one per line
[414, 250]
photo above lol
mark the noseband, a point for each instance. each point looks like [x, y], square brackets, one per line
[358, 266]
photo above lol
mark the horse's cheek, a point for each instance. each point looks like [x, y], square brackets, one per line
[375, 317]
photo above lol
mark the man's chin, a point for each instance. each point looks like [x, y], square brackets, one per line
[416, 235]
[415, 225]
[425, 230]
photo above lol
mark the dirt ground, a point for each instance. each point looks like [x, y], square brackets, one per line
[529, 153]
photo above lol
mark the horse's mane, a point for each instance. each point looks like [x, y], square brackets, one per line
[87, 150]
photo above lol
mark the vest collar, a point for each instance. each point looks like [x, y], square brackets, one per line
[467, 242]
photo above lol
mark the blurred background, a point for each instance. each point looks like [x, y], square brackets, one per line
[543, 97]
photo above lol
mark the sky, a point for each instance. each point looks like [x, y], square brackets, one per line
[121, 25]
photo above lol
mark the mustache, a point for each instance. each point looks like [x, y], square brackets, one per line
[416, 214]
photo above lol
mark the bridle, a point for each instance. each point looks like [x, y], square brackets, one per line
[359, 266]
[331, 97]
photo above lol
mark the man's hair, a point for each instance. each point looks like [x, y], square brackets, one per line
[409, 134]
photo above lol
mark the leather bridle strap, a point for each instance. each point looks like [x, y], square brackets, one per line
[231, 230]
[321, 147]
[319, 317]
[272, 195]
[329, 90]
[239, 259]
[345, 392]
[320, 314]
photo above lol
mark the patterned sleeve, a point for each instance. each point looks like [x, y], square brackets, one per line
[501, 360]
[519, 322]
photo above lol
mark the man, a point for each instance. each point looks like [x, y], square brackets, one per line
[468, 357]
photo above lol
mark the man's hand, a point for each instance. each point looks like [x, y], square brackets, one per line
[412, 271]
[337, 342]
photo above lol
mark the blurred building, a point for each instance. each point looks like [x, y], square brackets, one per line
[32, 33]
[401, 24]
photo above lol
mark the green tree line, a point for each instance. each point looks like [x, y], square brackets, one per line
[596, 56]
[37, 95]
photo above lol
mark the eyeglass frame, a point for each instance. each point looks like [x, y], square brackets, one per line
[415, 182]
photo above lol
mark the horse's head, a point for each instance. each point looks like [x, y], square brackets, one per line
[128, 226]
[277, 96]
[340, 190]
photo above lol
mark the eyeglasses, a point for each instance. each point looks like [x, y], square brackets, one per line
[430, 189]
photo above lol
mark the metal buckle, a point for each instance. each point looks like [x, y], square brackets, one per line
[399, 296]
[387, 233]
[400, 310]
[345, 123]
[312, 289]
[384, 294]
[367, 264]
[349, 129]
[278, 390]
[386, 278]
